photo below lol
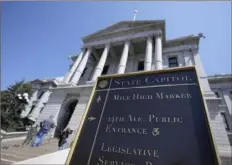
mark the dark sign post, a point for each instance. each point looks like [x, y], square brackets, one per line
[147, 118]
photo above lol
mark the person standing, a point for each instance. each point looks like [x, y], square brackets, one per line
[63, 138]
[46, 126]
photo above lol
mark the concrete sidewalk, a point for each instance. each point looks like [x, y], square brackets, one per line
[12, 151]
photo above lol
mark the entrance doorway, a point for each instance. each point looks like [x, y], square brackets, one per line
[65, 116]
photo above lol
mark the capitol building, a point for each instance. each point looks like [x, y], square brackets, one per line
[124, 47]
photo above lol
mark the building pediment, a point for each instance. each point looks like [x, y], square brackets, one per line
[36, 81]
[126, 26]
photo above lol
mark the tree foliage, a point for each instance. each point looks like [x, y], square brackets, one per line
[11, 108]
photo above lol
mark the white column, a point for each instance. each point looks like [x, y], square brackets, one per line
[73, 68]
[158, 52]
[81, 67]
[28, 106]
[123, 60]
[148, 55]
[101, 63]
[36, 111]
[226, 95]
[204, 84]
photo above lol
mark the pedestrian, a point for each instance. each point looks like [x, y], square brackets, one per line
[63, 138]
[45, 127]
[30, 135]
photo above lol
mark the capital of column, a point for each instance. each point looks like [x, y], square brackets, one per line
[83, 49]
[101, 63]
[159, 35]
[149, 39]
[127, 42]
[81, 67]
[108, 45]
[74, 67]
[89, 49]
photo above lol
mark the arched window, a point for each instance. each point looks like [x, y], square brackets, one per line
[65, 116]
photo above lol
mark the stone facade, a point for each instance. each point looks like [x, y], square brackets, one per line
[131, 46]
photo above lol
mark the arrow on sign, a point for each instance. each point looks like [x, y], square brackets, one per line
[98, 99]
[91, 118]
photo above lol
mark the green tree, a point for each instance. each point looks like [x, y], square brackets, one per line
[11, 107]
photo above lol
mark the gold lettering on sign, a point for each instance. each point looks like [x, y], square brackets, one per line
[138, 131]
[153, 80]
[170, 96]
[114, 119]
[162, 119]
[137, 96]
[169, 79]
[135, 118]
[130, 151]
[128, 82]
[121, 98]
[103, 161]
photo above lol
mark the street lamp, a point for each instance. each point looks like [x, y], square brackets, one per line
[23, 98]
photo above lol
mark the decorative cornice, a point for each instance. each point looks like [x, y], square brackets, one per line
[121, 38]
[122, 33]
[159, 35]
[130, 24]
[220, 78]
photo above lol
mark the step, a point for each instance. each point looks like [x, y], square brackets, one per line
[29, 146]
[15, 154]
[19, 155]
[31, 150]
[4, 161]
[9, 156]
[21, 141]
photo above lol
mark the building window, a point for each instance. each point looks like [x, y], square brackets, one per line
[83, 73]
[105, 69]
[41, 94]
[141, 65]
[172, 62]
[32, 107]
[223, 114]
[217, 94]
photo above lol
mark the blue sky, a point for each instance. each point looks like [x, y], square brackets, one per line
[37, 37]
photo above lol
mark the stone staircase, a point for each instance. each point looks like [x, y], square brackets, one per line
[13, 151]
